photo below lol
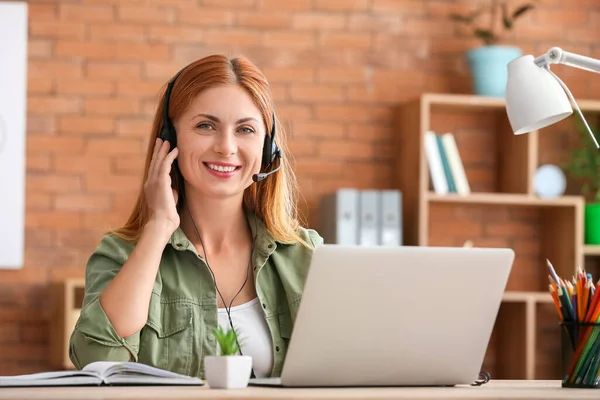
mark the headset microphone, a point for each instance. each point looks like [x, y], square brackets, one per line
[263, 175]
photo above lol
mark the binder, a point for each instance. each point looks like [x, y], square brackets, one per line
[369, 217]
[339, 217]
[391, 218]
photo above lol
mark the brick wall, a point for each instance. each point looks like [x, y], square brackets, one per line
[337, 68]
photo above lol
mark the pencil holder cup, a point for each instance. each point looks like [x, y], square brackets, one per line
[580, 353]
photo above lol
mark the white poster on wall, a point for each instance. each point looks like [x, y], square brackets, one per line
[13, 101]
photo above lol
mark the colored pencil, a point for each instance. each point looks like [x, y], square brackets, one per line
[577, 302]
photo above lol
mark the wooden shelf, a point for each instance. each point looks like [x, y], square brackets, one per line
[505, 199]
[523, 297]
[500, 167]
[591, 250]
[66, 298]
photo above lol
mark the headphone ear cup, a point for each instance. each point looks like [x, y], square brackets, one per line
[268, 152]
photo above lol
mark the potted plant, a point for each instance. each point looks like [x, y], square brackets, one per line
[488, 62]
[584, 165]
[228, 370]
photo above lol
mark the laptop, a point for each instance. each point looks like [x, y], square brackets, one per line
[394, 316]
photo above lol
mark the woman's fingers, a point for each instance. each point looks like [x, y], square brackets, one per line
[160, 152]
[168, 161]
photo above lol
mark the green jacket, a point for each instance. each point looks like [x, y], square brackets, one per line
[183, 305]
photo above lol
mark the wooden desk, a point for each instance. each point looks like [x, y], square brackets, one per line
[539, 390]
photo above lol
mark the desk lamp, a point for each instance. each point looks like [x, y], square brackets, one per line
[536, 97]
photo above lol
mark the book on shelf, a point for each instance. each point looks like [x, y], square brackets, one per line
[445, 164]
[103, 373]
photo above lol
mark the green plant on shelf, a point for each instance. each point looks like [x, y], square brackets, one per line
[584, 163]
[227, 341]
[492, 35]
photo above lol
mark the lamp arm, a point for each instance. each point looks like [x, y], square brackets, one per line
[556, 55]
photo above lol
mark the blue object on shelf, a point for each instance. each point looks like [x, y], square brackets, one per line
[488, 68]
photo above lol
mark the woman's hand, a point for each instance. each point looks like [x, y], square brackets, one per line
[160, 196]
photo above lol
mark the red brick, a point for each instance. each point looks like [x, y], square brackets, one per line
[80, 238]
[342, 5]
[9, 332]
[322, 167]
[401, 6]
[42, 11]
[290, 40]
[375, 23]
[292, 74]
[294, 112]
[146, 14]
[560, 16]
[116, 184]
[368, 132]
[117, 32]
[86, 13]
[85, 164]
[86, 49]
[342, 112]
[264, 19]
[301, 147]
[41, 124]
[231, 4]
[57, 29]
[343, 75]
[53, 105]
[318, 21]
[82, 125]
[120, 146]
[54, 144]
[54, 183]
[129, 165]
[84, 86]
[38, 202]
[82, 202]
[318, 129]
[139, 88]
[289, 5]
[38, 163]
[40, 86]
[161, 70]
[39, 48]
[175, 34]
[134, 127]
[123, 70]
[54, 68]
[316, 93]
[345, 40]
[207, 17]
[53, 219]
[112, 107]
[232, 37]
[347, 150]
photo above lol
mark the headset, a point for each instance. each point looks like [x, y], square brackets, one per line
[270, 153]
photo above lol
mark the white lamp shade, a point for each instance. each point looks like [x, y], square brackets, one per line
[534, 98]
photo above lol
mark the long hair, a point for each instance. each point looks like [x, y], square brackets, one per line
[273, 200]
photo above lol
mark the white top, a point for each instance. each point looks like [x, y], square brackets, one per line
[253, 334]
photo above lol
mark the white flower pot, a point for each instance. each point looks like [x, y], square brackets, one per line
[227, 372]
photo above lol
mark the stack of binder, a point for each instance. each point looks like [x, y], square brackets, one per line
[362, 217]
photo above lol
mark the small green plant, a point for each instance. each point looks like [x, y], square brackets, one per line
[584, 162]
[491, 35]
[227, 341]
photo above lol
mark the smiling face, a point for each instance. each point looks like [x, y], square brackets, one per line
[220, 139]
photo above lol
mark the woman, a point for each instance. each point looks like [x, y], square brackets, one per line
[212, 240]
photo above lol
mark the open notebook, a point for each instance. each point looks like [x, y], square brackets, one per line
[102, 373]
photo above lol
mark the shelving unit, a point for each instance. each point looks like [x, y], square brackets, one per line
[501, 211]
[66, 298]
